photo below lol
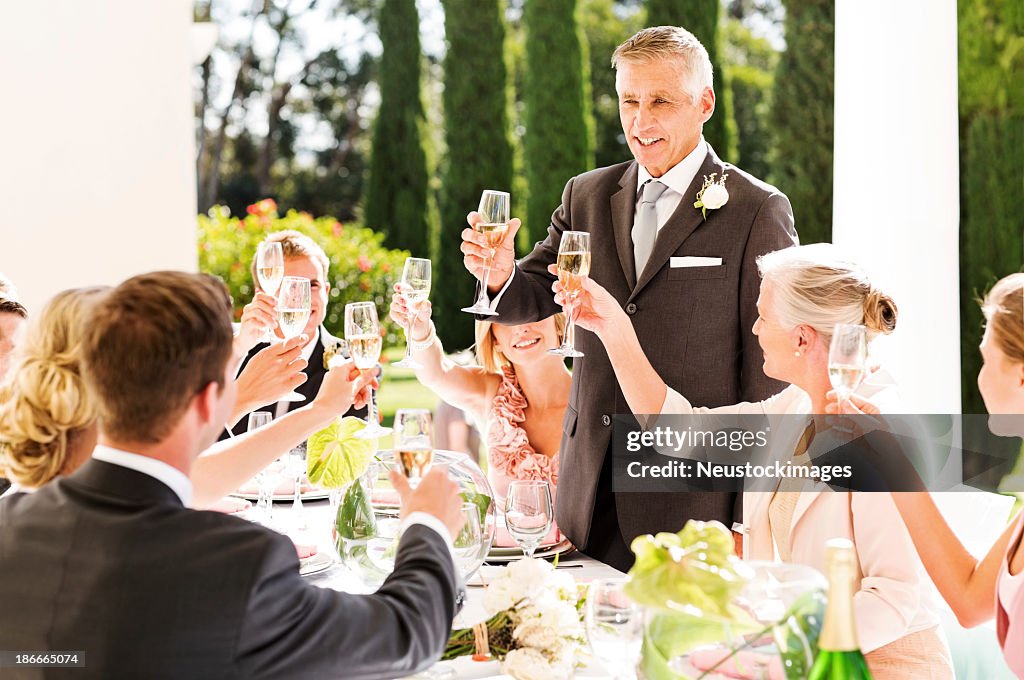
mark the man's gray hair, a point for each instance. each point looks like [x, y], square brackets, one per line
[665, 42]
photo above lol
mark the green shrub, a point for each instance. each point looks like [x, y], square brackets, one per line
[361, 268]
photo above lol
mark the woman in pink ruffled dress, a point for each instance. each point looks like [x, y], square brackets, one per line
[518, 393]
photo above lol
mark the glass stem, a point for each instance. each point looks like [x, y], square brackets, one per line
[569, 342]
[408, 347]
[371, 412]
[483, 299]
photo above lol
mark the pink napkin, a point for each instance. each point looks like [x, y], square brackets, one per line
[305, 551]
[503, 539]
[230, 506]
[743, 666]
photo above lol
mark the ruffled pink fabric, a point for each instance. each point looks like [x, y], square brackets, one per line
[509, 453]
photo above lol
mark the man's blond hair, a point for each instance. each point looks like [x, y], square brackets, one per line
[670, 42]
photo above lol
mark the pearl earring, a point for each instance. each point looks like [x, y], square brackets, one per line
[796, 353]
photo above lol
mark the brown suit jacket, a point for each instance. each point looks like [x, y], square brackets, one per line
[694, 324]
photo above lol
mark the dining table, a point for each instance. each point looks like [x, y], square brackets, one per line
[316, 518]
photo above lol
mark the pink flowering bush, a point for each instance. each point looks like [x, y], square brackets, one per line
[361, 268]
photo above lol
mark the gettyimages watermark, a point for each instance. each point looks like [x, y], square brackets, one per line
[735, 453]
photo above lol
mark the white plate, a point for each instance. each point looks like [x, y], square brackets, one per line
[315, 564]
[311, 495]
[514, 554]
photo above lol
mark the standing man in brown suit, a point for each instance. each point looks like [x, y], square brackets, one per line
[687, 277]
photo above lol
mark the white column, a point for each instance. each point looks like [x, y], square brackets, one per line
[97, 176]
[896, 179]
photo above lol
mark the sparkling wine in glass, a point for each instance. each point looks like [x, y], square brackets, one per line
[494, 210]
[414, 443]
[614, 625]
[528, 515]
[573, 265]
[847, 358]
[269, 273]
[362, 334]
[294, 304]
[416, 277]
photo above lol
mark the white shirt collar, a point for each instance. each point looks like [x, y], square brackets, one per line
[307, 351]
[157, 469]
[682, 173]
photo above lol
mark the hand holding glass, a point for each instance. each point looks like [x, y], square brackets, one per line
[573, 265]
[847, 358]
[294, 304]
[416, 277]
[528, 516]
[362, 333]
[494, 211]
[414, 443]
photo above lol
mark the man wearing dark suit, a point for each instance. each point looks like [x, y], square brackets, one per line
[305, 258]
[110, 562]
[692, 316]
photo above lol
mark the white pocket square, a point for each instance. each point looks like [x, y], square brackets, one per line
[692, 261]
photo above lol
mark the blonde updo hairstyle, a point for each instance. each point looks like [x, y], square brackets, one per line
[1004, 314]
[815, 285]
[493, 359]
[44, 404]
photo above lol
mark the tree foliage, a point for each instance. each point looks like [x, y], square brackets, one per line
[752, 62]
[559, 138]
[701, 17]
[476, 104]
[991, 59]
[396, 194]
[802, 115]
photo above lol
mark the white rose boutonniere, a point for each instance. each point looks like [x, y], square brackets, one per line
[713, 195]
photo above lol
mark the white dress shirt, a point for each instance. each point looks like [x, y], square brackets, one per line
[157, 469]
[677, 180]
[306, 353]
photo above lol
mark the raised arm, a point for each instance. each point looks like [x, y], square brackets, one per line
[228, 464]
[469, 388]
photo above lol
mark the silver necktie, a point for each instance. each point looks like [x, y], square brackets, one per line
[645, 229]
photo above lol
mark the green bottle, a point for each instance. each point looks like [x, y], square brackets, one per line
[839, 656]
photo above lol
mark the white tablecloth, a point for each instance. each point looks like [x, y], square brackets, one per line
[317, 515]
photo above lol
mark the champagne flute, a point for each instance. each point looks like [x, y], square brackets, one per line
[573, 265]
[258, 419]
[294, 305]
[414, 443]
[528, 513]
[493, 208]
[269, 273]
[468, 545]
[614, 625]
[847, 358]
[362, 333]
[416, 277]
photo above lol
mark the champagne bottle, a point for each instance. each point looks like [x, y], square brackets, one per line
[839, 656]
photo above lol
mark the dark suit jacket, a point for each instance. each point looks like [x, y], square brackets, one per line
[315, 373]
[107, 561]
[694, 324]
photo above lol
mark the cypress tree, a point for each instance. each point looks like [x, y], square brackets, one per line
[559, 138]
[476, 104]
[991, 166]
[396, 193]
[802, 115]
[700, 17]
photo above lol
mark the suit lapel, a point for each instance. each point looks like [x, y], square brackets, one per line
[623, 209]
[683, 222]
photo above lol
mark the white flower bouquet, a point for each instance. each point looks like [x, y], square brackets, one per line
[534, 625]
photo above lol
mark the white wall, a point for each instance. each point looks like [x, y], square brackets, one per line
[97, 178]
[896, 187]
